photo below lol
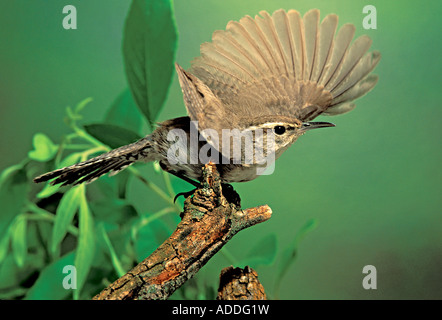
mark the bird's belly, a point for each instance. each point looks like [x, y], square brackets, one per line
[229, 172]
[238, 173]
[192, 171]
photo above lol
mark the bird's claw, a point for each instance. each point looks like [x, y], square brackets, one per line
[184, 194]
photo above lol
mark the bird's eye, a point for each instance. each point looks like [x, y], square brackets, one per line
[279, 130]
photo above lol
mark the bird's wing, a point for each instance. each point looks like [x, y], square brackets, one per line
[204, 108]
[283, 64]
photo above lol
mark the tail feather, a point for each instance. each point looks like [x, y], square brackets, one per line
[116, 166]
[70, 175]
[89, 170]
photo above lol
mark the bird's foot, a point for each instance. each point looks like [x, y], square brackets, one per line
[184, 194]
[230, 194]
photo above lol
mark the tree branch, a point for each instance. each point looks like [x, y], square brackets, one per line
[240, 284]
[210, 219]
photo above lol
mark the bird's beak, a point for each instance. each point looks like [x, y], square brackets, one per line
[315, 125]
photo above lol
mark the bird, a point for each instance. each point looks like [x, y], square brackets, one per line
[265, 79]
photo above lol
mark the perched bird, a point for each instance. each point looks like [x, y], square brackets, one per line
[272, 74]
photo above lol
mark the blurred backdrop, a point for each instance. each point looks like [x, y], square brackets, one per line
[373, 183]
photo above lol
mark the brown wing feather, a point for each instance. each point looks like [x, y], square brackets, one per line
[282, 64]
[203, 106]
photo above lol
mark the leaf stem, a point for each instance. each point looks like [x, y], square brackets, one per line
[155, 188]
[77, 146]
[168, 184]
[152, 217]
[114, 258]
[39, 214]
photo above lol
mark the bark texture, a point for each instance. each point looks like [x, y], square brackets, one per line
[240, 284]
[209, 220]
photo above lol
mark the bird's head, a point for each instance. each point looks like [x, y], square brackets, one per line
[284, 130]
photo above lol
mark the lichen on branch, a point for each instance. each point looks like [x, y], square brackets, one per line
[209, 220]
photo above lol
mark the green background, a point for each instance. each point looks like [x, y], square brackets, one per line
[373, 182]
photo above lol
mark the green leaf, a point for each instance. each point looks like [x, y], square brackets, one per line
[44, 149]
[19, 246]
[150, 232]
[71, 116]
[70, 160]
[80, 106]
[157, 167]
[50, 189]
[112, 135]
[149, 46]
[49, 285]
[263, 253]
[146, 243]
[122, 182]
[9, 274]
[65, 213]
[290, 252]
[111, 187]
[4, 243]
[115, 211]
[114, 258]
[124, 113]
[86, 243]
[8, 172]
[13, 194]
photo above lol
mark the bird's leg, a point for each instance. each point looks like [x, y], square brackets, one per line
[184, 194]
[196, 184]
[230, 194]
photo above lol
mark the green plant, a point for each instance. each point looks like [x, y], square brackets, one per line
[46, 228]
[97, 227]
